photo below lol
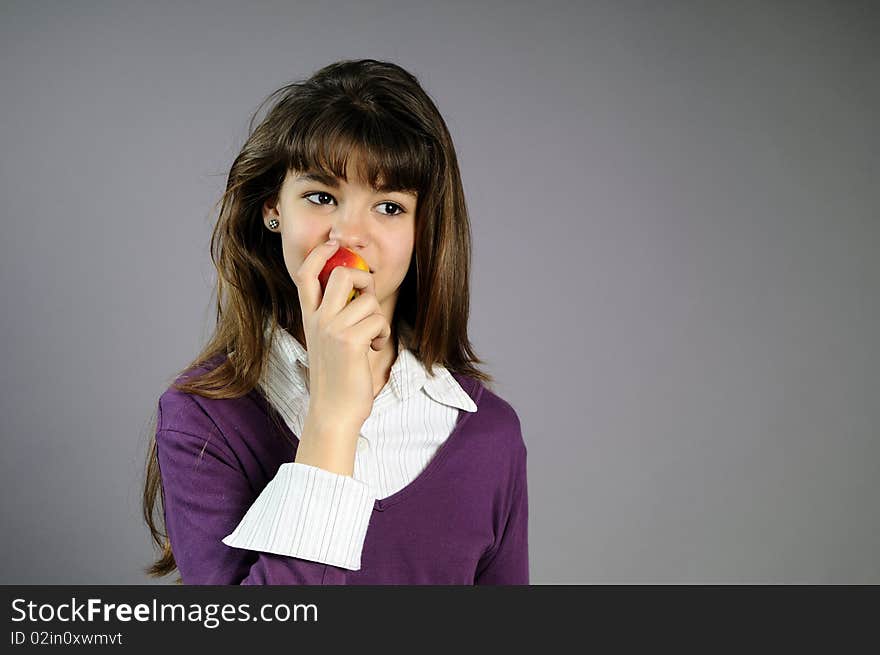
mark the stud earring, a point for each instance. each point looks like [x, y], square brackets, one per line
[273, 224]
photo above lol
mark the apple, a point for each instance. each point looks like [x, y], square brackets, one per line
[342, 257]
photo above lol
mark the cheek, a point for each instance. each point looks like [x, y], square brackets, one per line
[397, 250]
[402, 259]
[292, 259]
[396, 255]
[294, 255]
[296, 244]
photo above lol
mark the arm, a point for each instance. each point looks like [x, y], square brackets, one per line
[205, 494]
[508, 562]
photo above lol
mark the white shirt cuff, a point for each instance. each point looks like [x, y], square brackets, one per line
[311, 513]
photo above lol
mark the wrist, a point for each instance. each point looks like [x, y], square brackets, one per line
[327, 446]
[330, 426]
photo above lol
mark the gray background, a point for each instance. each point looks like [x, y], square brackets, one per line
[676, 263]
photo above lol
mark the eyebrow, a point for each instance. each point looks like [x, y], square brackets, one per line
[329, 180]
[333, 182]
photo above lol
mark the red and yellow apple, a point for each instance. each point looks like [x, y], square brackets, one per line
[342, 257]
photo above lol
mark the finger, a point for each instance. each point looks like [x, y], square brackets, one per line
[356, 311]
[308, 286]
[374, 328]
[343, 279]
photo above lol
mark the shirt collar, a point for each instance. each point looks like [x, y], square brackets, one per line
[407, 377]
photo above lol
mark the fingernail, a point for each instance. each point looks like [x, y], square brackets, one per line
[331, 242]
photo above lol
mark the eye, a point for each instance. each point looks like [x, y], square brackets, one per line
[317, 193]
[396, 209]
[395, 205]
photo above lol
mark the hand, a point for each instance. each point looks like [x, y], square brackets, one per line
[338, 336]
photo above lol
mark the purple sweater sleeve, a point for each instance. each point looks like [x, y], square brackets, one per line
[205, 494]
[508, 562]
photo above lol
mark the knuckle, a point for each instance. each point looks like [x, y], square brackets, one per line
[348, 341]
[340, 272]
[331, 336]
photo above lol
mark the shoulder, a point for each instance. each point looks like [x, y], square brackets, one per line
[494, 442]
[496, 419]
[180, 411]
[505, 417]
[238, 432]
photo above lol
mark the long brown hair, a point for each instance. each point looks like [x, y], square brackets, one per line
[380, 111]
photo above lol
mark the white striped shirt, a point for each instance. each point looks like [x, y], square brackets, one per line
[315, 514]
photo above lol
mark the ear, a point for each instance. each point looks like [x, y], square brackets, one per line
[270, 208]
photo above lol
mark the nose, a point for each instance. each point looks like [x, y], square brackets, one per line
[350, 230]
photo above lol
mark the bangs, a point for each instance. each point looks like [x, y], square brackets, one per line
[390, 155]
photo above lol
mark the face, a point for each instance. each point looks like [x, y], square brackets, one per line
[379, 226]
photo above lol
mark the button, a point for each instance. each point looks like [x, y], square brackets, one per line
[362, 444]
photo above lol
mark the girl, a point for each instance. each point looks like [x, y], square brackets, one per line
[322, 440]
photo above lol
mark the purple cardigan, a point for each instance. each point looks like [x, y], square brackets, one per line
[462, 521]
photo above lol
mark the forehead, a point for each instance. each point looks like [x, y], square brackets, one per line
[320, 177]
